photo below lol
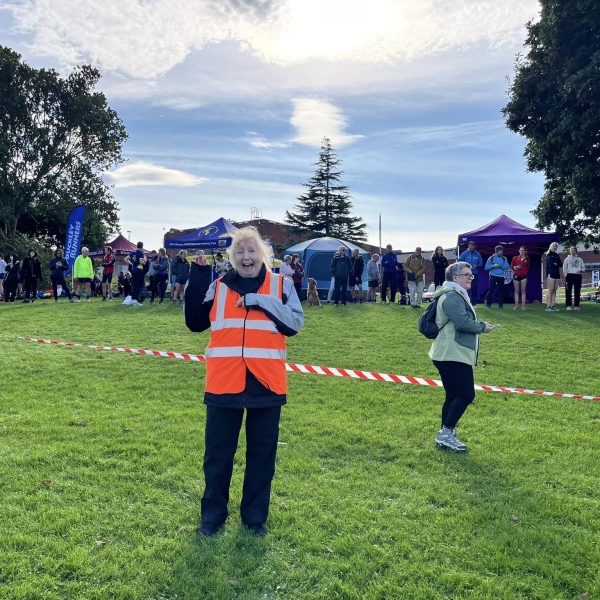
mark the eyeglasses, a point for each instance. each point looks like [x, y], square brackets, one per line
[467, 275]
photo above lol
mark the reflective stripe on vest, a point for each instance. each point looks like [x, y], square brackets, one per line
[245, 352]
[243, 339]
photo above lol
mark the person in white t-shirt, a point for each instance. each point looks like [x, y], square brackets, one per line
[573, 268]
[2, 274]
[285, 268]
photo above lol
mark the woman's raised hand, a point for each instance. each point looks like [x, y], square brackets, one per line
[201, 260]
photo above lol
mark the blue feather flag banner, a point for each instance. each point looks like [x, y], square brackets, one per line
[74, 235]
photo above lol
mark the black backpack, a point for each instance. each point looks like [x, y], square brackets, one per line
[427, 325]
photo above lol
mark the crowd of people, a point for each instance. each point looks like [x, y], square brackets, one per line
[147, 276]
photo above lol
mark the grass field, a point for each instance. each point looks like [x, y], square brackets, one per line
[101, 456]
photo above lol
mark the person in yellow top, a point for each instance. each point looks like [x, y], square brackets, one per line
[83, 273]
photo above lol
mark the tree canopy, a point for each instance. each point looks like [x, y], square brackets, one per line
[326, 209]
[57, 137]
[554, 102]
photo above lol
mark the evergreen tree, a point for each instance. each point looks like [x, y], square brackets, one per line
[325, 208]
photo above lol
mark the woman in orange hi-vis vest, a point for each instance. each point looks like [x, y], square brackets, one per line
[250, 311]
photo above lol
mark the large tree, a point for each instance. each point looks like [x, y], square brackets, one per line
[325, 208]
[554, 102]
[57, 137]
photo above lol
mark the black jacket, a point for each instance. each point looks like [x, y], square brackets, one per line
[181, 268]
[12, 273]
[31, 268]
[440, 263]
[197, 318]
[58, 271]
[553, 264]
[357, 266]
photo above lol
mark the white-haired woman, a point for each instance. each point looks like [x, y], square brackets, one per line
[553, 265]
[285, 268]
[373, 277]
[454, 350]
[250, 312]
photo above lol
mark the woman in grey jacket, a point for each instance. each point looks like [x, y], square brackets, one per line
[373, 277]
[454, 350]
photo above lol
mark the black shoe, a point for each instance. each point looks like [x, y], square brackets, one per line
[160, 301]
[151, 301]
[209, 529]
[103, 298]
[258, 529]
[25, 302]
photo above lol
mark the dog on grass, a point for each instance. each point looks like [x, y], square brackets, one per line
[312, 296]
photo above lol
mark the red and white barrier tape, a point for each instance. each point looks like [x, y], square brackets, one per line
[330, 371]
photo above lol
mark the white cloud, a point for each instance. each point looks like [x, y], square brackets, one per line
[143, 173]
[147, 38]
[261, 143]
[315, 118]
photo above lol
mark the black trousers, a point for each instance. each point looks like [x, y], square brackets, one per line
[56, 281]
[572, 282]
[137, 283]
[389, 281]
[30, 285]
[10, 289]
[495, 282]
[438, 278]
[459, 385]
[474, 289]
[340, 287]
[298, 286]
[221, 438]
[160, 285]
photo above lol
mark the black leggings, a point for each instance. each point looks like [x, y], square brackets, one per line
[56, 281]
[389, 280]
[30, 286]
[298, 286]
[438, 278]
[160, 285]
[459, 385]
[10, 289]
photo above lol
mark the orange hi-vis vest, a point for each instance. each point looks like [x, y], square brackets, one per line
[242, 338]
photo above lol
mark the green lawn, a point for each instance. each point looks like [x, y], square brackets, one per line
[101, 464]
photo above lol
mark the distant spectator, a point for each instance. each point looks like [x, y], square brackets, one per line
[2, 274]
[11, 281]
[496, 265]
[58, 266]
[553, 265]
[137, 261]
[181, 269]
[298, 275]
[285, 267]
[472, 257]
[151, 270]
[340, 269]
[401, 284]
[223, 266]
[440, 263]
[161, 274]
[357, 266]
[520, 266]
[415, 267]
[388, 268]
[108, 268]
[120, 280]
[83, 273]
[573, 268]
[31, 273]
[127, 285]
[373, 277]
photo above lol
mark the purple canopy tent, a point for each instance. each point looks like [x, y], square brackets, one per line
[511, 235]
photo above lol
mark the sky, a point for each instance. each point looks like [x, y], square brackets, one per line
[226, 103]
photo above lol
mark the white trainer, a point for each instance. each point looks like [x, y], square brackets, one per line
[446, 438]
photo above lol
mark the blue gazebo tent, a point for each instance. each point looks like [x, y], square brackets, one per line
[316, 256]
[214, 236]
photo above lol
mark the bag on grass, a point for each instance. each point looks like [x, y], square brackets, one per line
[427, 325]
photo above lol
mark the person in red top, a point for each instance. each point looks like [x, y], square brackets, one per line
[108, 268]
[520, 265]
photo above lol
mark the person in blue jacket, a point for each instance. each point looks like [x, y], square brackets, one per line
[388, 268]
[496, 265]
[472, 257]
